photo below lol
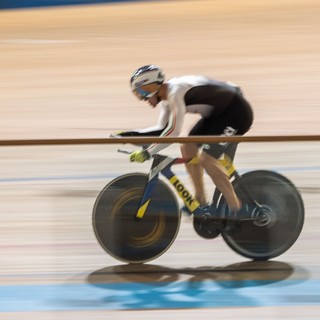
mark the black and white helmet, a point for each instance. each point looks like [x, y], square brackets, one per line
[146, 81]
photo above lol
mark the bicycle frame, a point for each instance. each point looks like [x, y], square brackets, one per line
[269, 224]
[162, 164]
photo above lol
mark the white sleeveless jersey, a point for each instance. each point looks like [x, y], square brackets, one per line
[193, 94]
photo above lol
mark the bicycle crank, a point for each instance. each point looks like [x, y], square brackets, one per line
[207, 229]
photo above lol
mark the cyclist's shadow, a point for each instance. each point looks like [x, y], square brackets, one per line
[151, 286]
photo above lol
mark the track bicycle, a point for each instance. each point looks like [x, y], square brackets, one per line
[136, 217]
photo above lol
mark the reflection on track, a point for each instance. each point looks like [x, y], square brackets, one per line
[244, 284]
[140, 287]
[269, 271]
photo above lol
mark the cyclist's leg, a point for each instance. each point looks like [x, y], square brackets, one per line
[190, 150]
[220, 178]
[236, 120]
[202, 127]
[209, 160]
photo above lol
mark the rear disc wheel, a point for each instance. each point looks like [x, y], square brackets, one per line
[273, 225]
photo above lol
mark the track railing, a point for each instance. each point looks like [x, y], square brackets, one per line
[145, 140]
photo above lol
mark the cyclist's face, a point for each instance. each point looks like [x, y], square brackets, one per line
[153, 101]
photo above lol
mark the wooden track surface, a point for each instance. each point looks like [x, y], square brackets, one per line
[64, 74]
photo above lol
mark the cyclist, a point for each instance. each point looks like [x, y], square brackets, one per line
[223, 110]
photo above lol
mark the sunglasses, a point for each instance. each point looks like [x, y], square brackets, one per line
[142, 94]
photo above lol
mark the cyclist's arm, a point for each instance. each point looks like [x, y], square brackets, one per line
[174, 125]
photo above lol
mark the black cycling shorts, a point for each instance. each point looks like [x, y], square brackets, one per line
[236, 119]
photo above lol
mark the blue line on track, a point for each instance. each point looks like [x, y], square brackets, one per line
[114, 175]
[164, 295]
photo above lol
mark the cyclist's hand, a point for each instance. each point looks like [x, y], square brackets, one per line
[123, 134]
[139, 156]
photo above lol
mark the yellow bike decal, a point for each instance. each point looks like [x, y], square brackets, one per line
[191, 203]
[228, 165]
[194, 160]
[142, 210]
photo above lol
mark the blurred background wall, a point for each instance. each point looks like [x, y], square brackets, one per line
[9, 4]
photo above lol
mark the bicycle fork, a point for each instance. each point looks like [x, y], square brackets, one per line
[163, 164]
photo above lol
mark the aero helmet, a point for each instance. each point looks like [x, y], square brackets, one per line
[146, 81]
